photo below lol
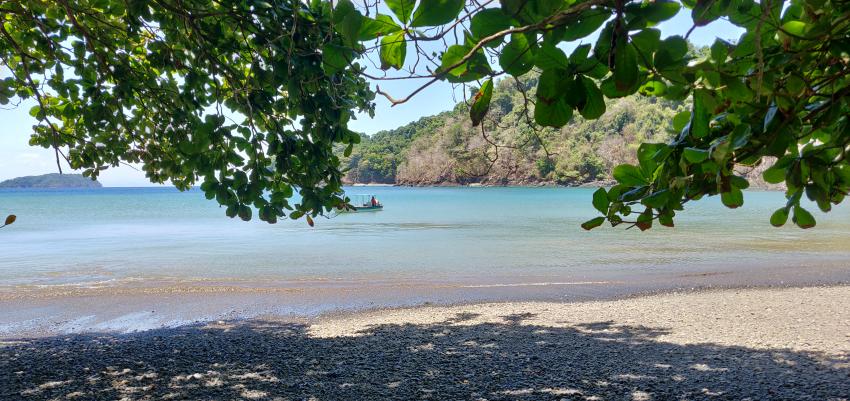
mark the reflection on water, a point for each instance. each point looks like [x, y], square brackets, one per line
[475, 236]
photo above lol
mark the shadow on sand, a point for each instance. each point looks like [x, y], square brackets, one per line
[452, 360]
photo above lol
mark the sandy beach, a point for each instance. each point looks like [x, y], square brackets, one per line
[154, 304]
[790, 343]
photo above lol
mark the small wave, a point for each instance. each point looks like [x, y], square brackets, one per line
[85, 284]
[536, 284]
[358, 228]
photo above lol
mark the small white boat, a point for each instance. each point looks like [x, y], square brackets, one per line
[365, 203]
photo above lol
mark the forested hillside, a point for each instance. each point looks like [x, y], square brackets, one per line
[445, 149]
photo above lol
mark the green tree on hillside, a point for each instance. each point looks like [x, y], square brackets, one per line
[446, 149]
[149, 82]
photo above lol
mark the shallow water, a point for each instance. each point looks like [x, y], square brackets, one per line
[117, 235]
[461, 244]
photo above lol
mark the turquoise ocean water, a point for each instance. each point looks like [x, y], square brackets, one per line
[477, 236]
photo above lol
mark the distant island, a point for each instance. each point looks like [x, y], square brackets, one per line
[51, 181]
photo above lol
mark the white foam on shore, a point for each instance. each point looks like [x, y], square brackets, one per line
[535, 284]
[138, 321]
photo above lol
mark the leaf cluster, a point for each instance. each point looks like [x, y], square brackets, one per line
[241, 96]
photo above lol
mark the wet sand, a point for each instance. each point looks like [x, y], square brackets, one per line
[767, 343]
[150, 304]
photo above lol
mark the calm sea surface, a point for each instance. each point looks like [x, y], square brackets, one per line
[478, 236]
[132, 259]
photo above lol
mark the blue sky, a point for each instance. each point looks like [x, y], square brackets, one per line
[17, 158]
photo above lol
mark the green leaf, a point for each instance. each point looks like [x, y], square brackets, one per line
[774, 174]
[393, 51]
[733, 198]
[340, 11]
[666, 218]
[719, 51]
[600, 200]
[593, 223]
[528, 12]
[671, 53]
[680, 120]
[436, 12]
[402, 9]
[814, 193]
[694, 155]
[335, 58]
[550, 57]
[824, 205]
[745, 46]
[701, 114]
[579, 55]
[720, 150]
[626, 73]
[382, 25]
[735, 89]
[488, 22]
[706, 11]
[649, 155]
[654, 12]
[647, 41]
[476, 67]
[657, 200]
[629, 175]
[551, 84]
[842, 172]
[588, 23]
[552, 113]
[795, 85]
[594, 103]
[209, 186]
[796, 28]
[348, 21]
[741, 136]
[644, 220]
[481, 103]
[517, 58]
[779, 217]
[571, 89]
[661, 10]
[803, 218]
[245, 213]
[653, 88]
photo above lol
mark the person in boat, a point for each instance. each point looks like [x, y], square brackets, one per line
[374, 202]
